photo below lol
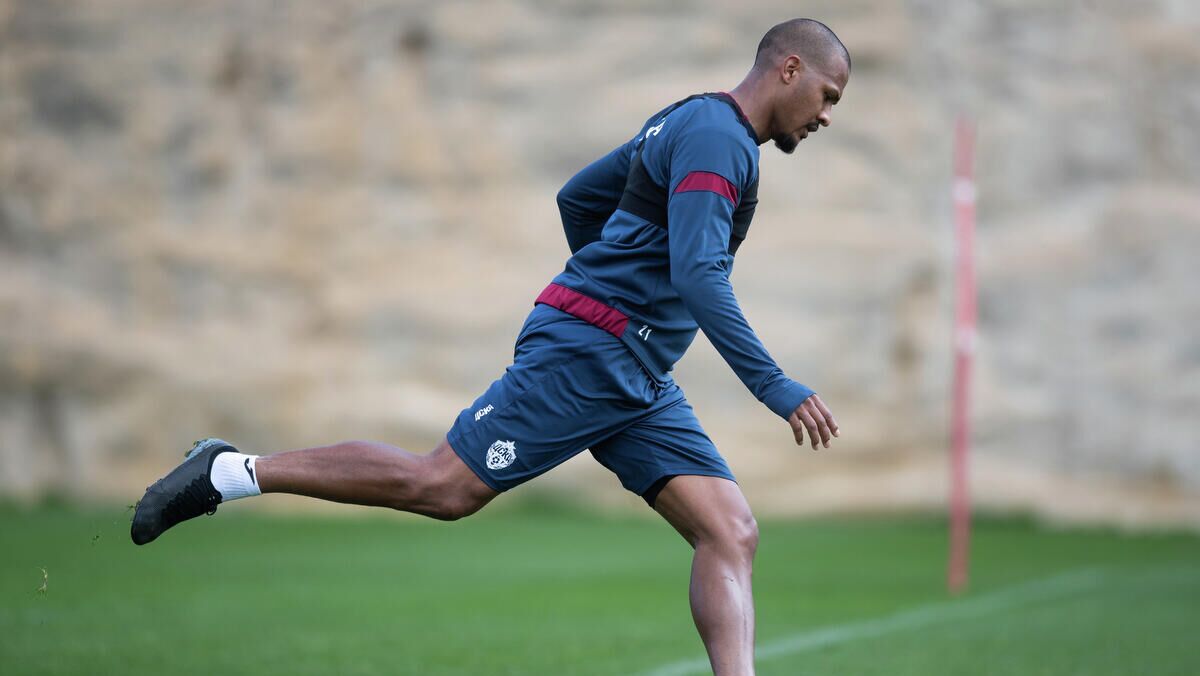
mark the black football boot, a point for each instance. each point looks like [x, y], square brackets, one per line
[185, 493]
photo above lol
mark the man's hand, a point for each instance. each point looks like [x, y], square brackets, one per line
[814, 415]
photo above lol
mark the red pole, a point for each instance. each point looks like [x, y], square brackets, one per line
[964, 350]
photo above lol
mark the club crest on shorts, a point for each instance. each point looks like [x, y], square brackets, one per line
[501, 454]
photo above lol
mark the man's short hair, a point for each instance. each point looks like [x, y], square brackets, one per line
[809, 39]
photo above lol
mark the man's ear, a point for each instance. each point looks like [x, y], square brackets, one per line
[791, 68]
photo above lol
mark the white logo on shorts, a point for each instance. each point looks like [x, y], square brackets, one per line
[501, 454]
[482, 412]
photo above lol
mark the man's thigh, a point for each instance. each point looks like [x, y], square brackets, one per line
[669, 443]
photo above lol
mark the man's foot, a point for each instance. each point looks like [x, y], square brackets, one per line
[185, 493]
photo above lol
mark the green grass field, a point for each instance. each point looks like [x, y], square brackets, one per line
[541, 590]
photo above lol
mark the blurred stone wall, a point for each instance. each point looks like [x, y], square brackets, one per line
[292, 223]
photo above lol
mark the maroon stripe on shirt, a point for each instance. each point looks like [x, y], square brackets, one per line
[706, 181]
[588, 309]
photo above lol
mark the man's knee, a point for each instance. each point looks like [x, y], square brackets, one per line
[745, 535]
[452, 505]
[712, 513]
[449, 489]
[736, 535]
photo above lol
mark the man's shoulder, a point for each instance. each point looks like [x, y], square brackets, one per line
[710, 128]
[709, 111]
[711, 121]
[702, 131]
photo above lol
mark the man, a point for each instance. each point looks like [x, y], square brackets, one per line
[653, 228]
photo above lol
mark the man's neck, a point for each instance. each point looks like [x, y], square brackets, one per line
[749, 97]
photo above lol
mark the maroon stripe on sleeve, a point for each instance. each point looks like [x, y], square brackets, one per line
[707, 181]
[588, 309]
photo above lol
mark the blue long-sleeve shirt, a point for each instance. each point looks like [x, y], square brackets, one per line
[653, 227]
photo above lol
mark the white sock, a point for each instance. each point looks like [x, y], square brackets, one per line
[233, 476]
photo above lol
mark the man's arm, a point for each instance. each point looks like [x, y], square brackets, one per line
[704, 179]
[592, 195]
[700, 226]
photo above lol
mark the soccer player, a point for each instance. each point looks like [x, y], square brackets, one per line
[653, 228]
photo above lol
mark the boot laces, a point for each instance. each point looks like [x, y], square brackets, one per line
[195, 499]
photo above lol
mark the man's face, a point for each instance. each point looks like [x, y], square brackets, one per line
[806, 102]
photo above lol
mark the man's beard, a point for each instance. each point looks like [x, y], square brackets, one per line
[787, 143]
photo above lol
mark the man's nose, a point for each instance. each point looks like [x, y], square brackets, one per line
[823, 118]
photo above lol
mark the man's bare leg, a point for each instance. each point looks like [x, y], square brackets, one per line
[438, 485]
[712, 515]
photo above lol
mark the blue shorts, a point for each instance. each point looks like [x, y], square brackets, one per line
[574, 386]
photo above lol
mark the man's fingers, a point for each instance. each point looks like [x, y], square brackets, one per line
[797, 428]
[822, 427]
[809, 423]
[826, 413]
[816, 417]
